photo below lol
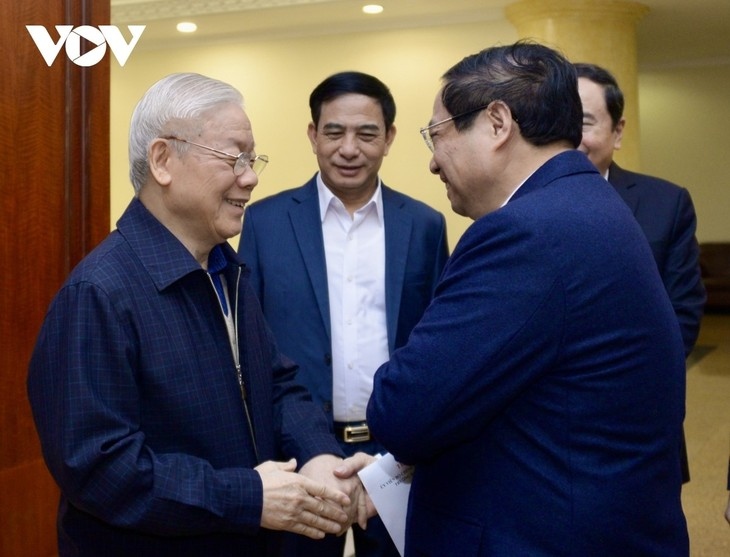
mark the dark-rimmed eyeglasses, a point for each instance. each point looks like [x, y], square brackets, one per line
[257, 163]
[426, 132]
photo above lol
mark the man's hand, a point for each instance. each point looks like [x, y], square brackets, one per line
[298, 504]
[321, 469]
[348, 469]
[727, 511]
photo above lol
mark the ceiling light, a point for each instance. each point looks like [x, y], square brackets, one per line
[372, 9]
[187, 27]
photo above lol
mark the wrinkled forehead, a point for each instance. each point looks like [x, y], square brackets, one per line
[227, 122]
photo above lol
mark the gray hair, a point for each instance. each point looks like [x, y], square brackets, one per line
[172, 106]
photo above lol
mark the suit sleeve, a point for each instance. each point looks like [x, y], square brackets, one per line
[300, 426]
[681, 273]
[424, 399]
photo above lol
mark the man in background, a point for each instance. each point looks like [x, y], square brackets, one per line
[344, 267]
[663, 210]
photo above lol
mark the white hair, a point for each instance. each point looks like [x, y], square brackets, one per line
[170, 107]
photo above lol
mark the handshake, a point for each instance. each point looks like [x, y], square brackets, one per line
[324, 497]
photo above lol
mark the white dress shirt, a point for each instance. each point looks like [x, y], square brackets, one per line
[354, 249]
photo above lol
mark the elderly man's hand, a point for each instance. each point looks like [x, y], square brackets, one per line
[296, 503]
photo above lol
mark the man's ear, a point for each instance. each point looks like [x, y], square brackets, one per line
[618, 134]
[160, 155]
[501, 124]
[312, 135]
[389, 137]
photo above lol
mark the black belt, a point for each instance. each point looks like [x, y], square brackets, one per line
[352, 432]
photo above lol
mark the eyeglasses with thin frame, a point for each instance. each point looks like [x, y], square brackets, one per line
[257, 163]
[426, 132]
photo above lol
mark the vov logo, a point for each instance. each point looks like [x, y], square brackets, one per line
[71, 36]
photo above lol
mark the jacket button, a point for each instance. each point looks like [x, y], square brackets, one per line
[328, 359]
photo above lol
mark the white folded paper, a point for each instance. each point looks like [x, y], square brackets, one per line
[388, 484]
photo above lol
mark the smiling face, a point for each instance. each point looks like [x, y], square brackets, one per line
[461, 160]
[203, 199]
[350, 142]
[600, 137]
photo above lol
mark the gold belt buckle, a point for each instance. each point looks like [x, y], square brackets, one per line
[356, 433]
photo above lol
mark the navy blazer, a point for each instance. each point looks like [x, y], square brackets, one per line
[667, 216]
[541, 396]
[282, 245]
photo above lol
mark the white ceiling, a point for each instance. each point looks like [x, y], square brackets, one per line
[673, 33]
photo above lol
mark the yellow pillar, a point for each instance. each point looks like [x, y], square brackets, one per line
[601, 32]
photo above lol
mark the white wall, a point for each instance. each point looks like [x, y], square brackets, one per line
[685, 138]
[276, 78]
[684, 113]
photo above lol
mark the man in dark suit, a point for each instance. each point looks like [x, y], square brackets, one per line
[541, 396]
[663, 210]
[163, 406]
[344, 267]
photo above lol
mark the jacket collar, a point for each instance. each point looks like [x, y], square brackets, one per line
[162, 255]
[565, 164]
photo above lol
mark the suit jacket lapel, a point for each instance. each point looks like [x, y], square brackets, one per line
[624, 185]
[397, 240]
[307, 225]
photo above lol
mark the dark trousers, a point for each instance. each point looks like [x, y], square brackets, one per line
[684, 461]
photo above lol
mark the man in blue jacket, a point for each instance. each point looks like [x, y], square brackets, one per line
[166, 414]
[541, 396]
[344, 267]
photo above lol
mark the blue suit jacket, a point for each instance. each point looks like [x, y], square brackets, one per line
[541, 396]
[666, 215]
[282, 245]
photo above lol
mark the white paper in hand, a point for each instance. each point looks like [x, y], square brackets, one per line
[388, 484]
